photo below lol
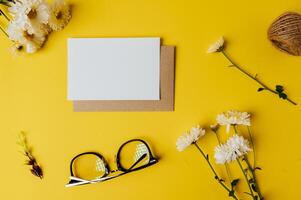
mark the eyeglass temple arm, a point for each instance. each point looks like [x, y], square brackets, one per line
[141, 158]
[78, 181]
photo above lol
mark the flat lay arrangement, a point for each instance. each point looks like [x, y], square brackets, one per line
[98, 93]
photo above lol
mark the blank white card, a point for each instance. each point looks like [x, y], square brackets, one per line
[114, 69]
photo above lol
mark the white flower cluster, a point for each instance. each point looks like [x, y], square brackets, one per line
[33, 20]
[190, 137]
[235, 147]
[233, 117]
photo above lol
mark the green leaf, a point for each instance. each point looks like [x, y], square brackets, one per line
[282, 95]
[254, 187]
[260, 89]
[231, 193]
[5, 2]
[234, 182]
[279, 88]
[248, 194]
[251, 181]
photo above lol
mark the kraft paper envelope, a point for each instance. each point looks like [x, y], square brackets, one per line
[166, 102]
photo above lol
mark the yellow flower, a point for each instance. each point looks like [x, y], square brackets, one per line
[60, 15]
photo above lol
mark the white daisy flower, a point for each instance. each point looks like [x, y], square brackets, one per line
[217, 46]
[188, 138]
[233, 117]
[31, 41]
[60, 15]
[14, 31]
[30, 14]
[235, 147]
[16, 9]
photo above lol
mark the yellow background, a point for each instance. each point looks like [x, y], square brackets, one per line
[33, 98]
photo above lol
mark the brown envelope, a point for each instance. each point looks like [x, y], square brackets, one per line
[166, 102]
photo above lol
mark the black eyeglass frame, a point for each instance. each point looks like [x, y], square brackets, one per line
[152, 160]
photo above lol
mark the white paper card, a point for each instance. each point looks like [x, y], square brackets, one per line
[114, 69]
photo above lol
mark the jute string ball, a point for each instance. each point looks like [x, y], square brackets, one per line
[285, 33]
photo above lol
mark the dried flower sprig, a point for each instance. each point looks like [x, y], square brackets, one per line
[36, 170]
[219, 47]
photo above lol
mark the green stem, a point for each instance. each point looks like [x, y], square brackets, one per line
[253, 77]
[220, 181]
[245, 175]
[252, 170]
[235, 129]
[253, 147]
[2, 13]
[6, 2]
[4, 31]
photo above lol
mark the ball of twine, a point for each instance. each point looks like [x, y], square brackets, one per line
[285, 33]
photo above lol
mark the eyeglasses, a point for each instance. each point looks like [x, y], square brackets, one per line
[91, 167]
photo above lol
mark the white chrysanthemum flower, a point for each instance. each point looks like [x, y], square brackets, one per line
[217, 46]
[31, 41]
[188, 138]
[16, 9]
[60, 15]
[33, 44]
[233, 117]
[30, 15]
[223, 154]
[235, 147]
[14, 31]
